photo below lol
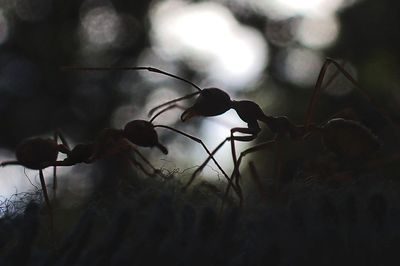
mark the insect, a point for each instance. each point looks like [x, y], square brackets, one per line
[346, 138]
[38, 154]
[141, 137]
[214, 102]
[139, 132]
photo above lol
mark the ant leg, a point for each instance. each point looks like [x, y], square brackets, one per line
[135, 163]
[144, 159]
[205, 148]
[5, 163]
[318, 87]
[46, 199]
[258, 147]
[252, 135]
[201, 167]
[64, 148]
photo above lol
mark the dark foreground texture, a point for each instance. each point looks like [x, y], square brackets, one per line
[155, 224]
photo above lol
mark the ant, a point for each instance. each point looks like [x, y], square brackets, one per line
[38, 154]
[146, 128]
[214, 102]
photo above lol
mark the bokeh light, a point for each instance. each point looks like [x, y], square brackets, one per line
[301, 66]
[318, 32]
[101, 26]
[208, 37]
[284, 9]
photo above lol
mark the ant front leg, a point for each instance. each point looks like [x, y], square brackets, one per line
[134, 162]
[261, 146]
[258, 147]
[144, 159]
[253, 132]
[46, 199]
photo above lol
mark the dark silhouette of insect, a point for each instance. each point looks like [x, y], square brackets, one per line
[169, 106]
[346, 138]
[115, 141]
[214, 102]
[38, 154]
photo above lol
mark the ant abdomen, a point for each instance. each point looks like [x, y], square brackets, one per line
[349, 139]
[211, 102]
[142, 133]
[37, 153]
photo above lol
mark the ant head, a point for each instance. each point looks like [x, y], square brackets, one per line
[211, 102]
[37, 153]
[142, 133]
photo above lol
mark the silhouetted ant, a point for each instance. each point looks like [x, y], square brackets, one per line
[214, 102]
[347, 139]
[38, 154]
[141, 138]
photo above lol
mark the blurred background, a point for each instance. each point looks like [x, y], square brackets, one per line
[268, 51]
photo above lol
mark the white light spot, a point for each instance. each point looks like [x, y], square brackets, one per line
[162, 95]
[101, 26]
[211, 40]
[302, 66]
[318, 32]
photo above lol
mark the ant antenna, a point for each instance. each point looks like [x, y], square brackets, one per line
[172, 101]
[163, 110]
[151, 69]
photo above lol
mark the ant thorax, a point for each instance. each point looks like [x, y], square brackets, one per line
[37, 153]
[248, 111]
